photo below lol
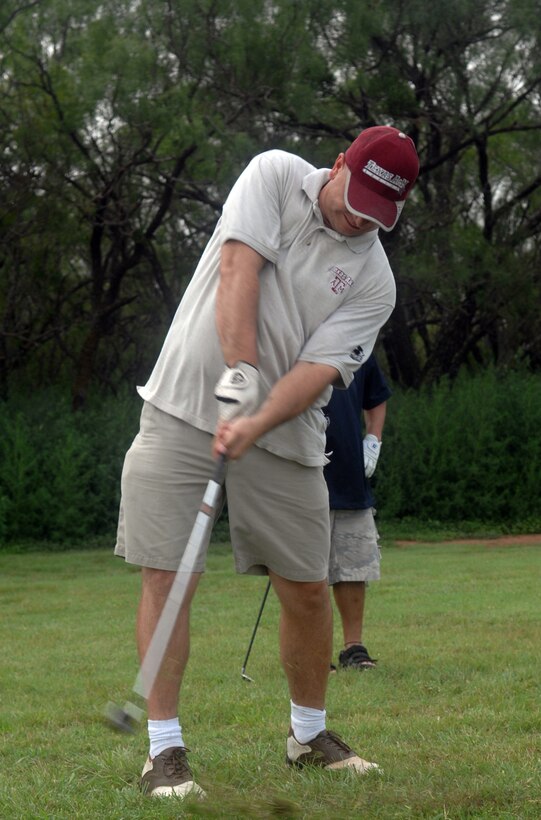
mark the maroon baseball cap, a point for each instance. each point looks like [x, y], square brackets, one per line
[382, 168]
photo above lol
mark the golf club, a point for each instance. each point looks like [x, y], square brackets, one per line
[126, 718]
[243, 674]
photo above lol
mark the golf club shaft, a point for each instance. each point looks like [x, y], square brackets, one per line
[199, 537]
[255, 627]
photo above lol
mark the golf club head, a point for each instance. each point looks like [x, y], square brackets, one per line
[244, 676]
[123, 719]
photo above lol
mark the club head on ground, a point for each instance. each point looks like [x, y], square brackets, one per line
[123, 719]
[244, 676]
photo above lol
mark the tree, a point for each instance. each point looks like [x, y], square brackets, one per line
[124, 124]
[464, 79]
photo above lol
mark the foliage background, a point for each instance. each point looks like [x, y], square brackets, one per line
[122, 127]
[465, 454]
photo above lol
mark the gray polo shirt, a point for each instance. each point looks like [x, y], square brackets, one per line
[323, 299]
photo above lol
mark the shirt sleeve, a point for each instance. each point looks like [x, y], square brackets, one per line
[346, 339]
[376, 390]
[252, 211]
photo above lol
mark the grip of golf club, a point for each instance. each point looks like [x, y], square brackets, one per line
[219, 472]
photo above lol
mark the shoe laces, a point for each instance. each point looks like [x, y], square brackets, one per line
[332, 739]
[176, 763]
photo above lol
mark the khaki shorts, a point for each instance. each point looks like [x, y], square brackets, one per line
[278, 509]
[355, 554]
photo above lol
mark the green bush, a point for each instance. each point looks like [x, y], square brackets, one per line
[466, 453]
[59, 470]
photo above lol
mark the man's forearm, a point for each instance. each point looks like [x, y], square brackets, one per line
[374, 420]
[237, 302]
[294, 393]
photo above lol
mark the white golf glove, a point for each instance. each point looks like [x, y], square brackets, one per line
[371, 448]
[237, 391]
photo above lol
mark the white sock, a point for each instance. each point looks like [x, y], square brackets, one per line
[306, 722]
[163, 734]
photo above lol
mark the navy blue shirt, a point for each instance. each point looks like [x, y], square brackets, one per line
[349, 489]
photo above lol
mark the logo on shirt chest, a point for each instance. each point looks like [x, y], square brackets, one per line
[340, 280]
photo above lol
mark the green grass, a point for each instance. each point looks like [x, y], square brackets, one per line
[451, 713]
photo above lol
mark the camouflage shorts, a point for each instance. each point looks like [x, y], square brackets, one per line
[355, 554]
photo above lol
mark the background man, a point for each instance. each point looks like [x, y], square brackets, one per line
[290, 293]
[355, 556]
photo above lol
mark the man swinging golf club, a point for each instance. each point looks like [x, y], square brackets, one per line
[287, 300]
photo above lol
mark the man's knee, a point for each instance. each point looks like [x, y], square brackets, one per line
[306, 599]
[157, 581]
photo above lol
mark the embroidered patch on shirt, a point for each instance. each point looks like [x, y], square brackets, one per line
[357, 354]
[340, 280]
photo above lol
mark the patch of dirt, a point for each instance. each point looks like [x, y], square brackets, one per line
[501, 541]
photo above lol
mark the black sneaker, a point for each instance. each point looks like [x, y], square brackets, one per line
[169, 775]
[356, 657]
[328, 751]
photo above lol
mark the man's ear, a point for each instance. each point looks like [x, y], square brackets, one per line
[338, 165]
